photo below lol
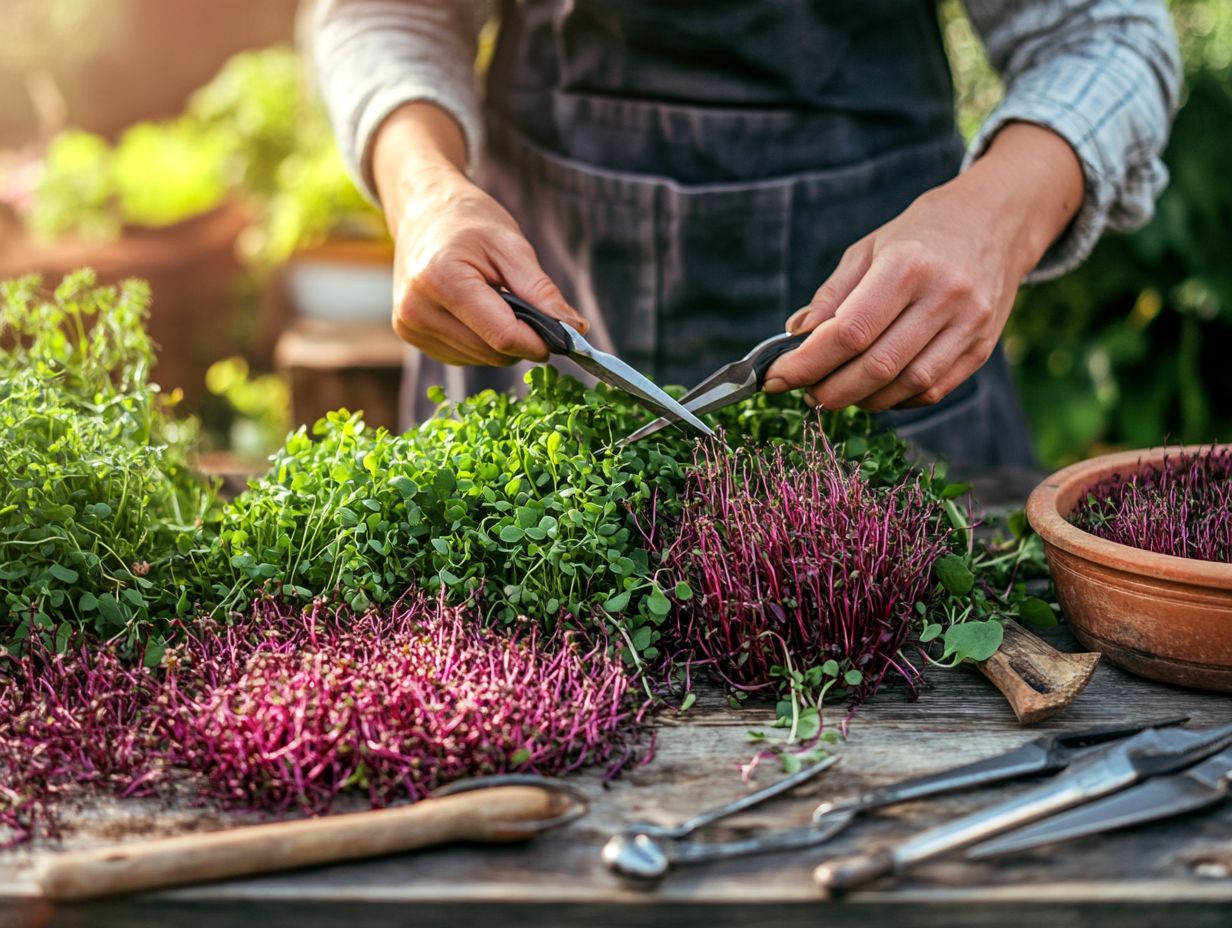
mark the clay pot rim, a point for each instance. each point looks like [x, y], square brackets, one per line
[1047, 518]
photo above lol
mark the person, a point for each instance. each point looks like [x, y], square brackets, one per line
[678, 179]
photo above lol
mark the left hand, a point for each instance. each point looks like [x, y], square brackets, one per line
[917, 306]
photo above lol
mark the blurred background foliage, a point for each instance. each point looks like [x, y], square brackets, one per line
[1128, 349]
[256, 132]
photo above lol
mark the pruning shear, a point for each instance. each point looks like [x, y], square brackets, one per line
[731, 383]
[1103, 772]
[565, 340]
[1203, 785]
[646, 851]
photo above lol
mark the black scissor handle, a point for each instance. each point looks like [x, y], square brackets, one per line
[552, 331]
[773, 352]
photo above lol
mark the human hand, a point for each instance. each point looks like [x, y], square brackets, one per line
[452, 243]
[917, 306]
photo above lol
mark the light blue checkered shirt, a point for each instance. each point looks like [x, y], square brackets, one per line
[1103, 74]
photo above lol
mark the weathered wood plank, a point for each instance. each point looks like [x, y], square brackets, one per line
[1130, 878]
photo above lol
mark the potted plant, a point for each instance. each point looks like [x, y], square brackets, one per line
[1140, 547]
[310, 221]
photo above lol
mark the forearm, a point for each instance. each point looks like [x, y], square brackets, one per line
[418, 150]
[1103, 75]
[375, 56]
[1029, 186]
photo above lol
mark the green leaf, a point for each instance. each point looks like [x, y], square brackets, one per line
[687, 703]
[617, 603]
[154, 650]
[958, 520]
[511, 533]
[110, 610]
[683, 591]
[62, 573]
[658, 604]
[853, 677]
[953, 490]
[973, 641]
[1019, 527]
[1034, 611]
[931, 631]
[809, 724]
[954, 574]
[519, 757]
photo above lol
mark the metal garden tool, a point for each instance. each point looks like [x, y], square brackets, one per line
[731, 383]
[565, 340]
[1205, 784]
[486, 809]
[647, 851]
[1151, 753]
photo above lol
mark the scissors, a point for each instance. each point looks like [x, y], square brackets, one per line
[565, 340]
[731, 383]
[1152, 753]
[645, 851]
[1200, 786]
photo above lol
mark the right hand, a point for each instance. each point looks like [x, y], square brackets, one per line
[452, 244]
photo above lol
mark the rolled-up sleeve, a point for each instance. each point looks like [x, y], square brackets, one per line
[372, 56]
[1104, 75]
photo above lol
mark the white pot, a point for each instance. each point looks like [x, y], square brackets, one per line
[347, 287]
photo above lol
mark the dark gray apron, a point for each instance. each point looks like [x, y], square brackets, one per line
[689, 172]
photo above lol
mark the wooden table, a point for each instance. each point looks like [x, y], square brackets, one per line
[1146, 876]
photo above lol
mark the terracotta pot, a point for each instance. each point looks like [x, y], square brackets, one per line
[1164, 617]
[195, 316]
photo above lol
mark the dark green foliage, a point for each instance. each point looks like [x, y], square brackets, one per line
[1129, 349]
[98, 509]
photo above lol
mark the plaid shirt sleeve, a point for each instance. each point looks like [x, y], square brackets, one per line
[1102, 74]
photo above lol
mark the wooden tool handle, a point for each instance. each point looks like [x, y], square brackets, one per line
[843, 874]
[1036, 678]
[487, 815]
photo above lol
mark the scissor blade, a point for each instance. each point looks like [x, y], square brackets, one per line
[616, 372]
[723, 393]
[1160, 798]
[735, 372]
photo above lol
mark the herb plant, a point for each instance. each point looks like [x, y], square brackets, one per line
[289, 709]
[99, 512]
[1182, 507]
[823, 566]
[294, 707]
[528, 504]
[787, 561]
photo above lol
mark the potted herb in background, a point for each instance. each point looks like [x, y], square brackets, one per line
[154, 205]
[320, 249]
[1140, 547]
[309, 219]
[238, 211]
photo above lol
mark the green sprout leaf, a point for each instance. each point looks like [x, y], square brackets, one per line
[954, 574]
[973, 641]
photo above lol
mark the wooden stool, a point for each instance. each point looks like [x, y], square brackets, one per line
[333, 364]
